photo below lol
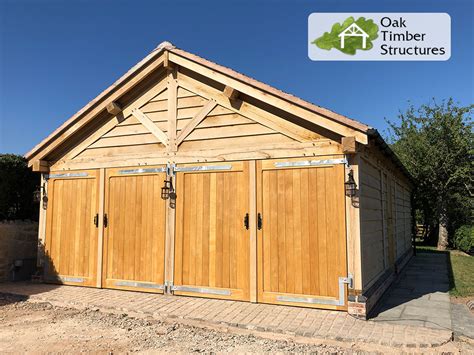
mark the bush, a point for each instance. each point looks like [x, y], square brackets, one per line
[17, 183]
[464, 238]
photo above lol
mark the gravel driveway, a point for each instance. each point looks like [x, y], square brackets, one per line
[40, 327]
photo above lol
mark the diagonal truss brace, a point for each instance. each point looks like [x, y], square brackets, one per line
[196, 120]
[151, 126]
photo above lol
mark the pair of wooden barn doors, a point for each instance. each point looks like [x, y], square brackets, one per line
[294, 252]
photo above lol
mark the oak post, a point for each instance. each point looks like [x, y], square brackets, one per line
[42, 225]
[169, 242]
[354, 255]
[253, 230]
[172, 110]
[100, 236]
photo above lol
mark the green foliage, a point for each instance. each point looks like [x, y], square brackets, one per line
[464, 238]
[435, 143]
[331, 39]
[17, 184]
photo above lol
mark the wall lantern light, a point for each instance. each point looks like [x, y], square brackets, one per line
[37, 194]
[350, 185]
[41, 190]
[167, 192]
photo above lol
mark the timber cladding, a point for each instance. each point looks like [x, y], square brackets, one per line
[302, 239]
[134, 239]
[255, 207]
[212, 241]
[71, 234]
[386, 225]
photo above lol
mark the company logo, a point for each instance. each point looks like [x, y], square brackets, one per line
[379, 36]
[349, 36]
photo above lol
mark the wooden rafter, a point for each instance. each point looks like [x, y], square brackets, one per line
[160, 87]
[40, 166]
[286, 128]
[150, 125]
[114, 108]
[197, 119]
[114, 121]
[167, 56]
[349, 145]
[88, 112]
[295, 109]
[231, 93]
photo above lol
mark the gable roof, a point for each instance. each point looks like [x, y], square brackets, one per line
[165, 51]
[355, 30]
[182, 58]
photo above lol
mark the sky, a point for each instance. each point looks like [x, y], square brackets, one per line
[55, 56]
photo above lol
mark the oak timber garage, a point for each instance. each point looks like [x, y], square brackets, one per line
[188, 178]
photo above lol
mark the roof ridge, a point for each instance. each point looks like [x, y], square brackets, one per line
[165, 45]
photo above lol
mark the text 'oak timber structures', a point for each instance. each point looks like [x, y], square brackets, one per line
[256, 205]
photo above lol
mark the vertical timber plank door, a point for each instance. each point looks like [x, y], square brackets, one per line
[71, 228]
[212, 241]
[301, 236]
[134, 237]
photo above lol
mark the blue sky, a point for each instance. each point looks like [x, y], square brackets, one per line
[55, 56]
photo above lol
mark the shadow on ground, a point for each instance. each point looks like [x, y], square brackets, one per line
[51, 274]
[420, 296]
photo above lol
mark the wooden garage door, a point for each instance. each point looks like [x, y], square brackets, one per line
[212, 242]
[134, 238]
[71, 234]
[301, 243]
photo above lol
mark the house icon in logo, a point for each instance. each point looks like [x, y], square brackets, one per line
[354, 31]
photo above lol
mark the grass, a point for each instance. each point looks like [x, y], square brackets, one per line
[462, 271]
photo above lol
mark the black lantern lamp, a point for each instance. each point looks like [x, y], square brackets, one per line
[350, 185]
[172, 198]
[167, 192]
[37, 195]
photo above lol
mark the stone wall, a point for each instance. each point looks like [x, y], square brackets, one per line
[18, 241]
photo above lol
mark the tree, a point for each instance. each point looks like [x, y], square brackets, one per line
[435, 143]
[17, 184]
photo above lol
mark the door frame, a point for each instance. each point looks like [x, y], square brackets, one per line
[344, 281]
[65, 175]
[106, 174]
[206, 291]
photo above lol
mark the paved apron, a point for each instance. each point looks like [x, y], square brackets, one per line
[303, 322]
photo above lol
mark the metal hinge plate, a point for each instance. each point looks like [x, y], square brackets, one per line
[315, 300]
[196, 289]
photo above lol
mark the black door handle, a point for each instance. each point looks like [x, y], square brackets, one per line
[106, 220]
[96, 220]
[259, 221]
[246, 221]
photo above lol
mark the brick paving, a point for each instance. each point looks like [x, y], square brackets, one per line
[302, 322]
